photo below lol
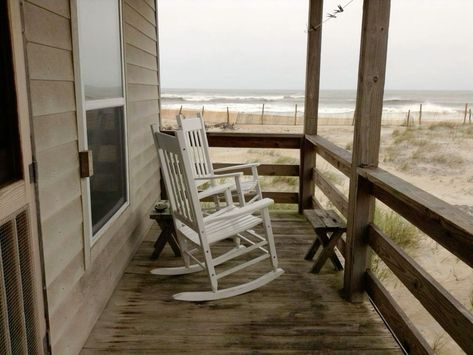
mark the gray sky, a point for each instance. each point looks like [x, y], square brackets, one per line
[261, 44]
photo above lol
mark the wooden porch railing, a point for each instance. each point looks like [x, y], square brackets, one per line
[444, 223]
[263, 141]
[447, 225]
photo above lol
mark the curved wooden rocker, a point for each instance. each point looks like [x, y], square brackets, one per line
[196, 142]
[197, 232]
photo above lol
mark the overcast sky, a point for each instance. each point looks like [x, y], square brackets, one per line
[261, 44]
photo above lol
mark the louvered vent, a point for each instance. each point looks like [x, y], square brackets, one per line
[18, 317]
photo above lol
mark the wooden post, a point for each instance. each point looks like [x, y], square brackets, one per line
[203, 111]
[312, 87]
[466, 111]
[469, 117]
[228, 116]
[408, 120]
[180, 110]
[369, 108]
[295, 115]
[262, 115]
[420, 114]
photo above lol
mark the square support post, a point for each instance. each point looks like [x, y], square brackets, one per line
[312, 86]
[366, 140]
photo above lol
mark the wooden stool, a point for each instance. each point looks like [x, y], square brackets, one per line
[167, 235]
[325, 222]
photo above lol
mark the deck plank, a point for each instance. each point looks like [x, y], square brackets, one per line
[298, 312]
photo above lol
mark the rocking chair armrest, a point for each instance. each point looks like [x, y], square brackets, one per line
[240, 211]
[215, 190]
[220, 176]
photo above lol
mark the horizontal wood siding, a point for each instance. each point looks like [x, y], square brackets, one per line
[77, 296]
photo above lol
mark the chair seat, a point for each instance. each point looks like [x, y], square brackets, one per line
[223, 229]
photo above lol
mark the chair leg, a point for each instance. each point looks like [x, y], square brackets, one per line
[270, 238]
[210, 268]
[259, 193]
[183, 244]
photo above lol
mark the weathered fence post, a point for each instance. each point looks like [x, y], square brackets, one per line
[228, 116]
[420, 114]
[295, 115]
[369, 109]
[408, 120]
[312, 87]
[466, 111]
[262, 115]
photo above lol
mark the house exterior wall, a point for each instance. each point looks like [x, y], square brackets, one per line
[79, 278]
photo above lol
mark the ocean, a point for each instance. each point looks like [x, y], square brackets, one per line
[333, 103]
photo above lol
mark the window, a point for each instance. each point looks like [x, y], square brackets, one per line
[101, 74]
[10, 156]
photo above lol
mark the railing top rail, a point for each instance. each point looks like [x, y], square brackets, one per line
[253, 140]
[448, 225]
[338, 157]
[255, 134]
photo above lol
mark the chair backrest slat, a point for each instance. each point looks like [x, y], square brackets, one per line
[204, 151]
[196, 141]
[176, 168]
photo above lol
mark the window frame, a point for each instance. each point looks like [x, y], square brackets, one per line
[82, 106]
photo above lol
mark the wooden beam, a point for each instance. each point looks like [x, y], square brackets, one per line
[267, 169]
[368, 111]
[332, 153]
[282, 197]
[449, 313]
[254, 140]
[311, 105]
[446, 224]
[410, 338]
[333, 194]
[277, 196]
[312, 80]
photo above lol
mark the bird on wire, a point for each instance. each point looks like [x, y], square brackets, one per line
[331, 15]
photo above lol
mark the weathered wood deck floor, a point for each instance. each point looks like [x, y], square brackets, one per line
[297, 313]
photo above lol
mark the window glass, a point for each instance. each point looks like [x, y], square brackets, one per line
[10, 159]
[99, 33]
[100, 49]
[108, 191]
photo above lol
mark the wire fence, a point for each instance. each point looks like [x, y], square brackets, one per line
[234, 118]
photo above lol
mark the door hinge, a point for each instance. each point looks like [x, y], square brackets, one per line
[86, 163]
[33, 172]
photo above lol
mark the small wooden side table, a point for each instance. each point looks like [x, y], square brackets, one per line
[167, 235]
[329, 228]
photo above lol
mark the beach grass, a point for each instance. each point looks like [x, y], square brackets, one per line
[403, 233]
[400, 231]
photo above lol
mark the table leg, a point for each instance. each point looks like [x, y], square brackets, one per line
[313, 249]
[328, 251]
[173, 243]
[164, 236]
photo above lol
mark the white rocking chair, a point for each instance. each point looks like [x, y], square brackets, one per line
[197, 144]
[197, 233]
